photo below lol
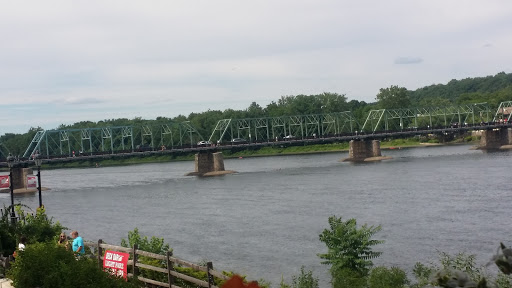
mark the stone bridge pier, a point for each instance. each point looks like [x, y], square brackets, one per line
[19, 178]
[209, 164]
[495, 138]
[361, 150]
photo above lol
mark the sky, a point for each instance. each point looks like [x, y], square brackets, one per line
[63, 62]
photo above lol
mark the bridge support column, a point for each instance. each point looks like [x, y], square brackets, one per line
[360, 150]
[209, 164]
[19, 177]
[376, 148]
[494, 139]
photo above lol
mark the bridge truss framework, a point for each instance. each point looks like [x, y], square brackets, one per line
[272, 128]
[112, 139]
[429, 117]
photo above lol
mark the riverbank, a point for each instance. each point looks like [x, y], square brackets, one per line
[261, 152]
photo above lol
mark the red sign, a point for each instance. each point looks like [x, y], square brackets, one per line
[4, 181]
[31, 181]
[116, 263]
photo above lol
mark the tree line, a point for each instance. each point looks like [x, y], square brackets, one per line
[491, 89]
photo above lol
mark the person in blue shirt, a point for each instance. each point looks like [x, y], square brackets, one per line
[78, 243]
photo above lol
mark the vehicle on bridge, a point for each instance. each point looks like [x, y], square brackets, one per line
[204, 143]
[237, 141]
[289, 137]
[143, 148]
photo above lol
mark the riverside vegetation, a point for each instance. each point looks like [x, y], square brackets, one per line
[350, 251]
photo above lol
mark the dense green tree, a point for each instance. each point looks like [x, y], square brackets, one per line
[348, 246]
[393, 97]
[455, 88]
[255, 111]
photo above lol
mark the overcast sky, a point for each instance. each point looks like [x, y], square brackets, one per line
[68, 61]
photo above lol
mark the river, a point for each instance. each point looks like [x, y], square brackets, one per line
[265, 220]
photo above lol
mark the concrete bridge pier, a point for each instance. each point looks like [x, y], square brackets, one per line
[19, 180]
[361, 150]
[19, 177]
[495, 138]
[209, 164]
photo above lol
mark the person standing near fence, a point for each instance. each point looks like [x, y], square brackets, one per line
[78, 243]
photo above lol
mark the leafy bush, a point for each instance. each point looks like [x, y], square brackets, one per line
[158, 246]
[383, 277]
[349, 251]
[304, 280]
[36, 228]
[154, 245]
[349, 247]
[50, 265]
[460, 267]
[7, 233]
[347, 278]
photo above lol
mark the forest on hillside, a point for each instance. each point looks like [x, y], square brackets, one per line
[491, 89]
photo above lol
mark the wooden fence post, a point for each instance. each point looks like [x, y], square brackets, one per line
[135, 247]
[209, 267]
[170, 278]
[100, 253]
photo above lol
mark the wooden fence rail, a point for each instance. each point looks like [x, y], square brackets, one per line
[169, 269]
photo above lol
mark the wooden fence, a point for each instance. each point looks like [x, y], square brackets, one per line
[169, 270]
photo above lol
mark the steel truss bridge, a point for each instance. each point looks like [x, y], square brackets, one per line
[111, 140]
[276, 128]
[258, 132]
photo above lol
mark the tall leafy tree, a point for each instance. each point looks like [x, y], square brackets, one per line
[393, 97]
[349, 248]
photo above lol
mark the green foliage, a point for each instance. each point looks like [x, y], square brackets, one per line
[393, 97]
[50, 265]
[383, 277]
[349, 247]
[36, 227]
[469, 90]
[503, 281]
[304, 280]
[154, 244]
[458, 266]
[347, 278]
[158, 246]
[7, 233]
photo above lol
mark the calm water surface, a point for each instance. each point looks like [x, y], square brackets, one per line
[265, 220]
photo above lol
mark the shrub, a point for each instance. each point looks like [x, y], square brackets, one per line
[36, 228]
[50, 265]
[347, 278]
[349, 247]
[304, 280]
[158, 246]
[456, 266]
[383, 277]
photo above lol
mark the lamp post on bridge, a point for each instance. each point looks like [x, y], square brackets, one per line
[10, 163]
[38, 160]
